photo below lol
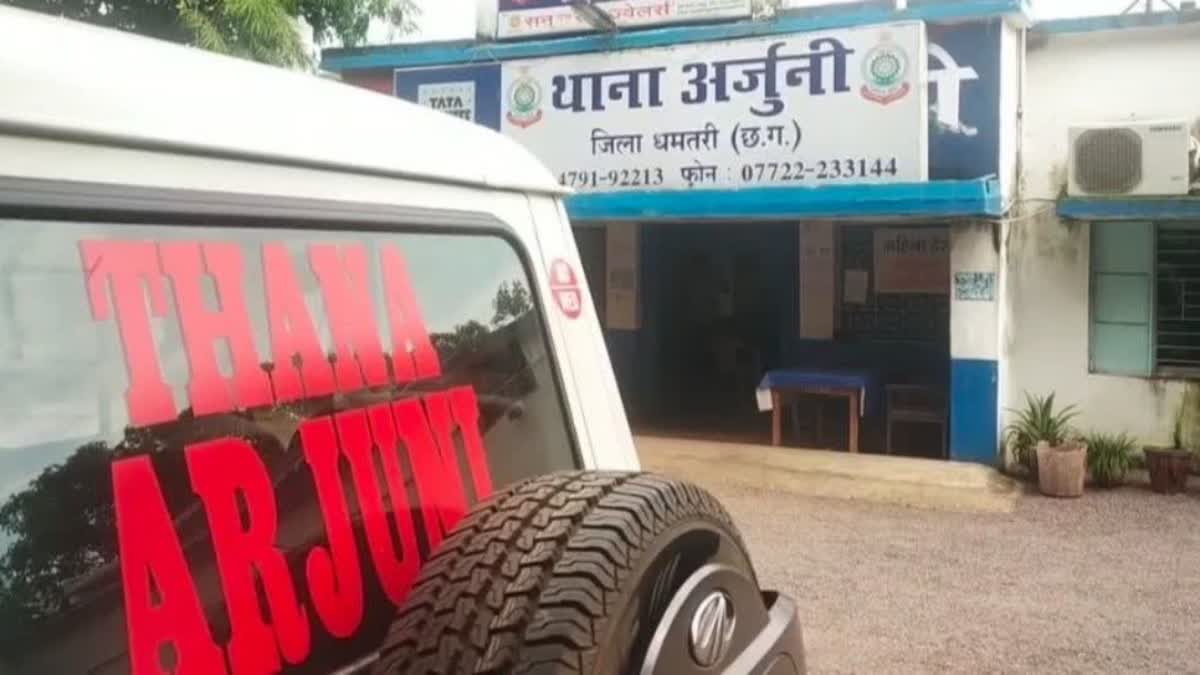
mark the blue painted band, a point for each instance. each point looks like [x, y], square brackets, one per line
[844, 16]
[980, 197]
[1141, 208]
[974, 410]
[1092, 24]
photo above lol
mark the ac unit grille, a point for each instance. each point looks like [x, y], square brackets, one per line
[1108, 161]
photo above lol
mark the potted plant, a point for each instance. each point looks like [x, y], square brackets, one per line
[1062, 468]
[1109, 458]
[1169, 467]
[1038, 421]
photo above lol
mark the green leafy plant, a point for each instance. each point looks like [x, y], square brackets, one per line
[1109, 457]
[1038, 421]
[263, 30]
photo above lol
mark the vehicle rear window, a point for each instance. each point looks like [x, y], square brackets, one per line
[229, 449]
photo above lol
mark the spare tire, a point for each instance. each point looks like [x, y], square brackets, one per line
[564, 573]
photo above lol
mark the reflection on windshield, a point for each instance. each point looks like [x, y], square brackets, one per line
[64, 422]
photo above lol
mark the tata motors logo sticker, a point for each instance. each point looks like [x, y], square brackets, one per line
[452, 98]
[885, 73]
[524, 102]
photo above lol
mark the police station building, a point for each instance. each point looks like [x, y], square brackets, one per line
[810, 200]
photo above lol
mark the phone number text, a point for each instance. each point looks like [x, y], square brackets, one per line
[825, 169]
[613, 178]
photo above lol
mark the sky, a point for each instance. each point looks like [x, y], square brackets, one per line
[451, 19]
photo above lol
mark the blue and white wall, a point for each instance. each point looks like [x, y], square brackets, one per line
[974, 341]
[976, 273]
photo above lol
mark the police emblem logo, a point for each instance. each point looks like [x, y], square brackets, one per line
[885, 73]
[524, 102]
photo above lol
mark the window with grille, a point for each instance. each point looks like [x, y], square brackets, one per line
[1177, 299]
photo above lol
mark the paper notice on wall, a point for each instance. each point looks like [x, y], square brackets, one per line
[817, 280]
[975, 286]
[621, 276]
[912, 260]
[855, 286]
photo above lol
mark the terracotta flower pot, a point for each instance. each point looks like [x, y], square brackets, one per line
[1169, 468]
[1062, 469]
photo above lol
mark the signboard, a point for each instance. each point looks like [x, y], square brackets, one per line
[845, 106]
[470, 92]
[912, 260]
[809, 4]
[453, 98]
[975, 286]
[525, 18]
[964, 98]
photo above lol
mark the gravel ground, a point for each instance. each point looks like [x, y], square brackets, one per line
[1108, 583]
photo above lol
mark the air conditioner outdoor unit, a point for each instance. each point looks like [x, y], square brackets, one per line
[1130, 158]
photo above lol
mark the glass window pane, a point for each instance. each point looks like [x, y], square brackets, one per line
[1122, 298]
[194, 416]
[1122, 247]
[1121, 349]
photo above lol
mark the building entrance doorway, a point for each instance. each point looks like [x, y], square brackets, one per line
[721, 309]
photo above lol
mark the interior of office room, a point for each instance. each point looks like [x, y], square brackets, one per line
[720, 304]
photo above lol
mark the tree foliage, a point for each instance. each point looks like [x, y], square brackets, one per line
[511, 302]
[61, 527]
[262, 30]
[467, 338]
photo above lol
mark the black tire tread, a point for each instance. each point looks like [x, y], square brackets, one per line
[525, 583]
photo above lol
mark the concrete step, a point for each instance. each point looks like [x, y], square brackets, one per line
[919, 483]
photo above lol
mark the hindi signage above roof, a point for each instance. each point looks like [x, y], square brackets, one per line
[835, 107]
[526, 18]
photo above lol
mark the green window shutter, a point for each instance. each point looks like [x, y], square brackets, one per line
[1122, 297]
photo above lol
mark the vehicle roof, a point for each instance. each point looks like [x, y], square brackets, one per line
[63, 78]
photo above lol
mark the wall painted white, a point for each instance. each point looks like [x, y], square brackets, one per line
[1010, 102]
[1103, 76]
[973, 327]
[1073, 79]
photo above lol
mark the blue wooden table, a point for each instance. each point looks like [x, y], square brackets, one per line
[861, 389]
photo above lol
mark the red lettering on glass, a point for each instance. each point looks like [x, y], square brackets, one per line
[224, 472]
[465, 407]
[294, 343]
[396, 569]
[413, 355]
[334, 577]
[161, 604]
[132, 269]
[209, 391]
[439, 484]
[342, 274]
[300, 367]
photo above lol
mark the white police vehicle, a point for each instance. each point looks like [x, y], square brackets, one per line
[299, 378]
